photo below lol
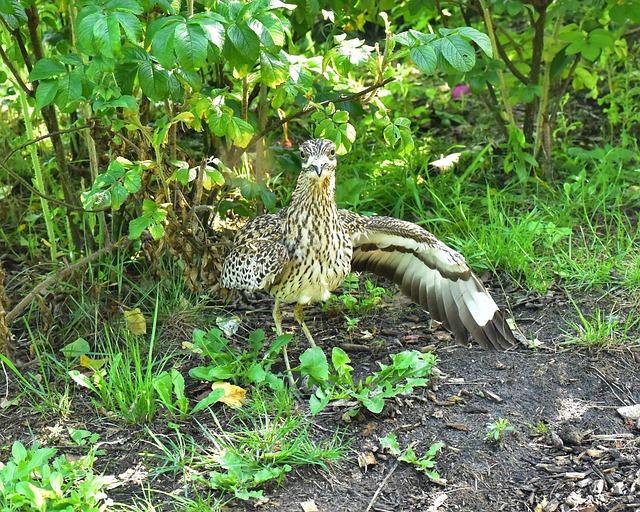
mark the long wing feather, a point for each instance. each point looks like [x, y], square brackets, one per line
[432, 274]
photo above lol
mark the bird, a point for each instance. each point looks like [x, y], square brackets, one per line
[304, 251]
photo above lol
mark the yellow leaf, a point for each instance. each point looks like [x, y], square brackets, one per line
[233, 395]
[135, 321]
[92, 364]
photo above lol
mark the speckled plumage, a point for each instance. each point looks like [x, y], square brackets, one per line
[306, 250]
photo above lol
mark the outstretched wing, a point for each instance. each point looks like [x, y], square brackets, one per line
[258, 256]
[432, 274]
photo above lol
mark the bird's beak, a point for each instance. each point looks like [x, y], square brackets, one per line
[318, 167]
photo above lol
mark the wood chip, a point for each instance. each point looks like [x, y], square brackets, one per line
[457, 426]
[494, 397]
[575, 475]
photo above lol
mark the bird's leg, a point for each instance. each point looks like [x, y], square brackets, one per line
[298, 314]
[277, 319]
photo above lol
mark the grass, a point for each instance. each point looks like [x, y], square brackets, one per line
[261, 442]
[602, 329]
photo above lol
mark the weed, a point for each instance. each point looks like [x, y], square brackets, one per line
[408, 369]
[601, 329]
[539, 429]
[496, 430]
[425, 463]
[252, 365]
[33, 480]
[261, 443]
[356, 302]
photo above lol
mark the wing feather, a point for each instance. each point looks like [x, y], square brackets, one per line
[432, 274]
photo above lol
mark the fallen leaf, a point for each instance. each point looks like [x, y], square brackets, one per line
[233, 395]
[366, 459]
[92, 364]
[5, 402]
[135, 321]
[309, 506]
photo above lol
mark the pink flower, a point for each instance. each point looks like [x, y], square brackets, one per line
[459, 90]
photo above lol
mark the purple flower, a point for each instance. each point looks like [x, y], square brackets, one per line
[459, 90]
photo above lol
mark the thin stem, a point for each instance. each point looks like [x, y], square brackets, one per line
[39, 178]
[503, 86]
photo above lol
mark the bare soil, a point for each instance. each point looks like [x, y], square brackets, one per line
[588, 460]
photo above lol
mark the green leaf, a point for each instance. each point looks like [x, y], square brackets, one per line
[131, 6]
[423, 38]
[374, 404]
[313, 362]
[212, 26]
[190, 46]
[341, 116]
[210, 399]
[119, 195]
[273, 71]
[482, 40]
[133, 180]
[162, 45]
[425, 58]
[69, 91]
[154, 81]
[390, 442]
[47, 68]
[12, 12]
[46, 93]
[268, 28]
[457, 52]
[239, 131]
[137, 226]
[406, 38]
[130, 25]
[106, 36]
[85, 25]
[78, 348]
[243, 47]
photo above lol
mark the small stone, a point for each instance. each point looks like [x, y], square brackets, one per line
[598, 486]
[556, 441]
[571, 435]
[618, 489]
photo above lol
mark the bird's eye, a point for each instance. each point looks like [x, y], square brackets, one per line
[303, 155]
[332, 153]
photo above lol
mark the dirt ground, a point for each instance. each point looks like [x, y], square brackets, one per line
[589, 460]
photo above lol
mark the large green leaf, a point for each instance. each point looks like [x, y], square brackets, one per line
[70, 91]
[154, 81]
[106, 36]
[12, 12]
[46, 93]
[162, 45]
[243, 47]
[425, 58]
[482, 40]
[268, 28]
[212, 26]
[458, 52]
[85, 25]
[124, 5]
[47, 68]
[273, 70]
[130, 25]
[190, 46]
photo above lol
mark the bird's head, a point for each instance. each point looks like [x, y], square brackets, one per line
[318, 158]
